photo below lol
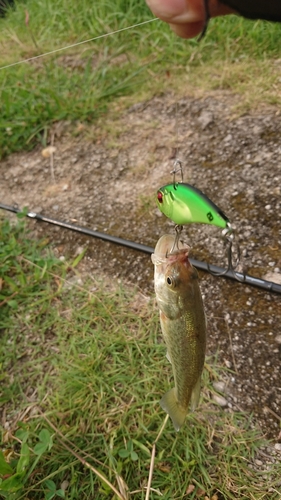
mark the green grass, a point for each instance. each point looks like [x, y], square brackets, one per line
[79, 84]
[80, 382]
[80, 365]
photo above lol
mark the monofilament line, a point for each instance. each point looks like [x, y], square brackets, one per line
[78, 43]
[177, 160]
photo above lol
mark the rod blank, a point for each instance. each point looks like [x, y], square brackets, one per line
[269, 286]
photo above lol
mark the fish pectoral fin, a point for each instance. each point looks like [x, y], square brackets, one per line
[168, 357]
[195, 395]
[170, 404]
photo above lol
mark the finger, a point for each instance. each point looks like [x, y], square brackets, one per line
[188, 30]
[178, 11]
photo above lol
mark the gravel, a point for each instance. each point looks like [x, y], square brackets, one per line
[108, 181]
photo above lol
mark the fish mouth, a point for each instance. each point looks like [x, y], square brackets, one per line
[164, 249]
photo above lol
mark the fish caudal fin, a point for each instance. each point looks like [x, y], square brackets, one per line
[195, 395]
[170, 404]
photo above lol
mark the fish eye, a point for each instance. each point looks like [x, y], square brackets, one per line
[170, 281]
[160, 197]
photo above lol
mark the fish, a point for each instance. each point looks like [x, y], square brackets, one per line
[185, 204]
[183, 324]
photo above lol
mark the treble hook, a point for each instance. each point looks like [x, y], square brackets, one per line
[229, 238]
[177, 168]
[178, 230]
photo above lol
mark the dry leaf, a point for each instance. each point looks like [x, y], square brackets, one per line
[190, 489]
[164, 467]
[200, 493]
[123, 488]
[47, 152]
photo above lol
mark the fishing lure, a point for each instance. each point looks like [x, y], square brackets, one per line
[185, 204]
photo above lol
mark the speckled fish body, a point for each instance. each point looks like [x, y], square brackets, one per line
[183, 326]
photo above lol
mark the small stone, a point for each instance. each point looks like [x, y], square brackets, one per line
[258, 462]
[205, 119]
[78, 251]
[278, 339]
[220, 400]
[228, 138]
[272, 276]
[277, 447]
[219, 386]
[73, 281]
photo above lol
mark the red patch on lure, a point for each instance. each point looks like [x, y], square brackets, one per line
[160, 197]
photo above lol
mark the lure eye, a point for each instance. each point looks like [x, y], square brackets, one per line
[160, 197]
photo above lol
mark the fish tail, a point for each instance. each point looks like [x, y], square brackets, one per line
[170, 404]
[195, 395]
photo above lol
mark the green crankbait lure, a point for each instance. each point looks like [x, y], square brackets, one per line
[185, 204]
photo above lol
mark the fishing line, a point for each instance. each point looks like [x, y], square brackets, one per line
[78, 43]
[177, 168]
[216, 271]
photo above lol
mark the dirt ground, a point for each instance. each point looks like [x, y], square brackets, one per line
[106, 177]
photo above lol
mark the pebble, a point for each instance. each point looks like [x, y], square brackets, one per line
[228, 138]
[220, 400]
[277, 447]
[79, 250]
[258, 462]
[205, 119]
[73, 281]
[219, 386]
[271, 276]
[278, 339]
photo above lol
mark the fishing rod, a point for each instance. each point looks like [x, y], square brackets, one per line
[269, 286]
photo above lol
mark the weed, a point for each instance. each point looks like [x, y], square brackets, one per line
[80, 395]
[80, 83]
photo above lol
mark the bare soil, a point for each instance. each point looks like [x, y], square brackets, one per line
[106, 178]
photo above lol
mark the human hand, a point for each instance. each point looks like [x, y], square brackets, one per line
[186, 17]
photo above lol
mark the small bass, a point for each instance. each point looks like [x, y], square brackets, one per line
[183, 325]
